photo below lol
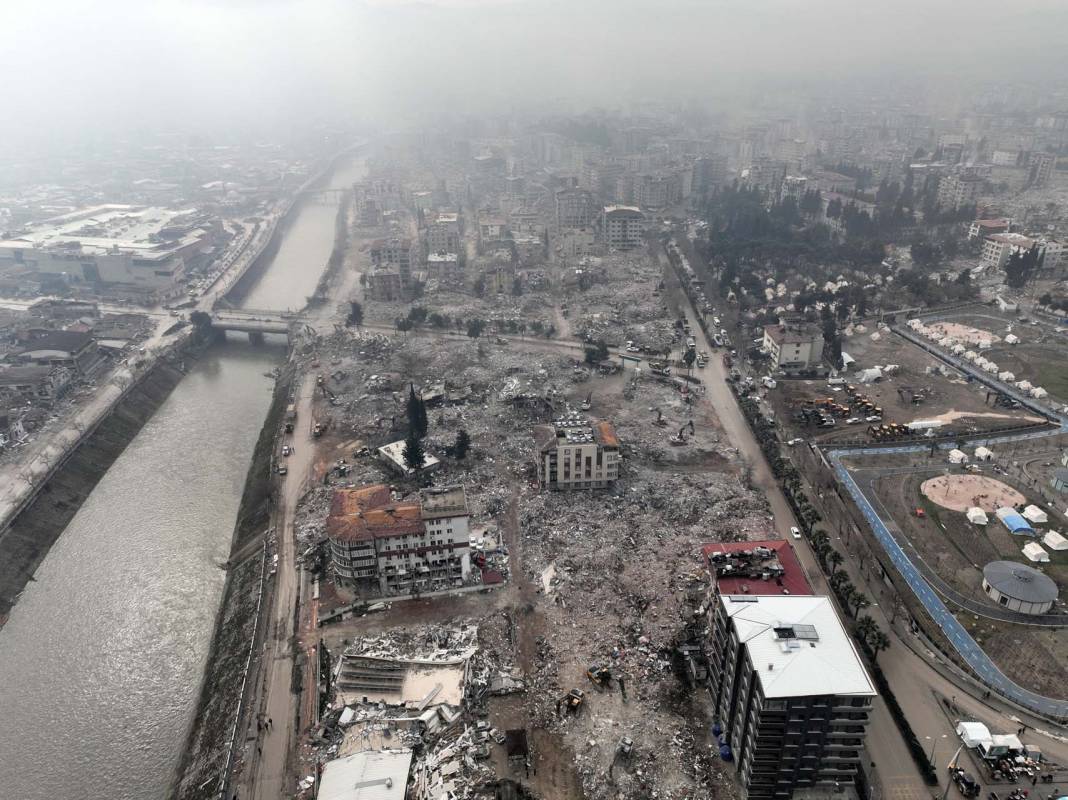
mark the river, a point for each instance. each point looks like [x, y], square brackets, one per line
[101, 659]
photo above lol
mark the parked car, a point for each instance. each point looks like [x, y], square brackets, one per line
[795, 532]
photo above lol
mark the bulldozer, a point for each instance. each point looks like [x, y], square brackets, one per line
[660, 422]
[571, 702]
[679, 438]
[599, 676]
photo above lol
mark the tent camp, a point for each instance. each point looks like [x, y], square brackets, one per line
[957, 456]
[973, 733]
[1006, 376]
[977, 516]
[1054, 541]
[983, 453]
[1034, 551]
[1012, 520]
[1035, 514]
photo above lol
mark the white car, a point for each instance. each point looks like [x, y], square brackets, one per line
[853, 421]
[794, 442]
[795, 532]
[286, 450]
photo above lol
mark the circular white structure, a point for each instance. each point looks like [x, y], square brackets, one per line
[1018, 587]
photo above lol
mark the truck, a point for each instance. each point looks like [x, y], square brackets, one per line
[291, 417]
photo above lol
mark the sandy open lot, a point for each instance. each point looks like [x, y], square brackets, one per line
[961, 492]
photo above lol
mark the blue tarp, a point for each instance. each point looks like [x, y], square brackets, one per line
[1017, 524]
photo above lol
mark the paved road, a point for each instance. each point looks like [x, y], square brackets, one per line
[269, 772]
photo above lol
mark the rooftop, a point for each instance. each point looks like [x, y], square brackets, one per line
[623, 211]
[1020, 582]
[1017, 239]
[65, 341]
[798, 646]
[147, 232]
[370, 775]
[768, 567]
[793, 334]
[447, 501]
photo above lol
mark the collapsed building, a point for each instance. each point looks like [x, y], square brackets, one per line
[396, 548]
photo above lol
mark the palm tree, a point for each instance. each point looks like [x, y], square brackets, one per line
[866, 629]
[838, 579]
[858, 601]
[878, 642]
[835, 559]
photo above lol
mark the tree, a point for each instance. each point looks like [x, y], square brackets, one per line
[858, 601]
[835, 559]
[355, 313]
[866, 628]
[475, 327]
[461, 445]
[597, 353]
[417, 316]
[403, 325]
[878, 642]
[201, 324]
[414, 455]
[416, 412]
[688, 357]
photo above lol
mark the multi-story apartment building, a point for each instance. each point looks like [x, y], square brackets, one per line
[657, 190]
[443, 234]
[981, 228]
[790, 693]
[574, 208]
[623, 227]
[793, 186]
[572, 454]
[393, 254]
[956, 191]
[997, 248]
[1042, 166]
[392, 548]
[793, 347]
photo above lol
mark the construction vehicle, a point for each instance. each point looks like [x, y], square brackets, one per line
[571, 702]
[599, 676]
[624, 750]
[660, 422]
[588, 402]
[679, 438]
[317, 430]
[291, 417]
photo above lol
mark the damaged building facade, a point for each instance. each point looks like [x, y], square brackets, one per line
[399, 548]
[572, 454]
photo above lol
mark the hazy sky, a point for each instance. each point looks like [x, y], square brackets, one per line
[112, 65]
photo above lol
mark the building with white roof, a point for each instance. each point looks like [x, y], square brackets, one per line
[369, 775]
[790, 692]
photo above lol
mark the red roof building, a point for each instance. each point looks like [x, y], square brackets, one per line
[759, 568]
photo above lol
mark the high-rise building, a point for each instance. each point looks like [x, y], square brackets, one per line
[572, 454]
[790, 692]
[574, 208]
[1042, 166]
[623, 227]
[957, 191]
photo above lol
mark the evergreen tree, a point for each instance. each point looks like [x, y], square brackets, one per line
[461, 445]
[416, 413]
[414, 455]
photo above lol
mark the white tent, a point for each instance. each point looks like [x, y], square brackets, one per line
[1035, 514]
[1012, 338]
[976, 516]
[945, 341]
[876, 336]
[870, 375]
[958, 348]
[1054, 541]
[971, 355]
[1006, 376]
[1024, 386]
[957, 456]
[1038, 393]
[983, 453]
[991, 367]
[1034, 552]
[973, 733]
[984, 344]
[859, 329]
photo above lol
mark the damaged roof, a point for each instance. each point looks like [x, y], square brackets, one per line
[369, 513]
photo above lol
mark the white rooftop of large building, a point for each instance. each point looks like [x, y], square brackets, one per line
[798, 646]
[370, 775]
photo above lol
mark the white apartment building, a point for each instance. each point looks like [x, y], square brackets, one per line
[998, 248]
[955, 191]
[443, 235]
[572, 454]
[400, 548]
[623, 227]
[793, 347]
